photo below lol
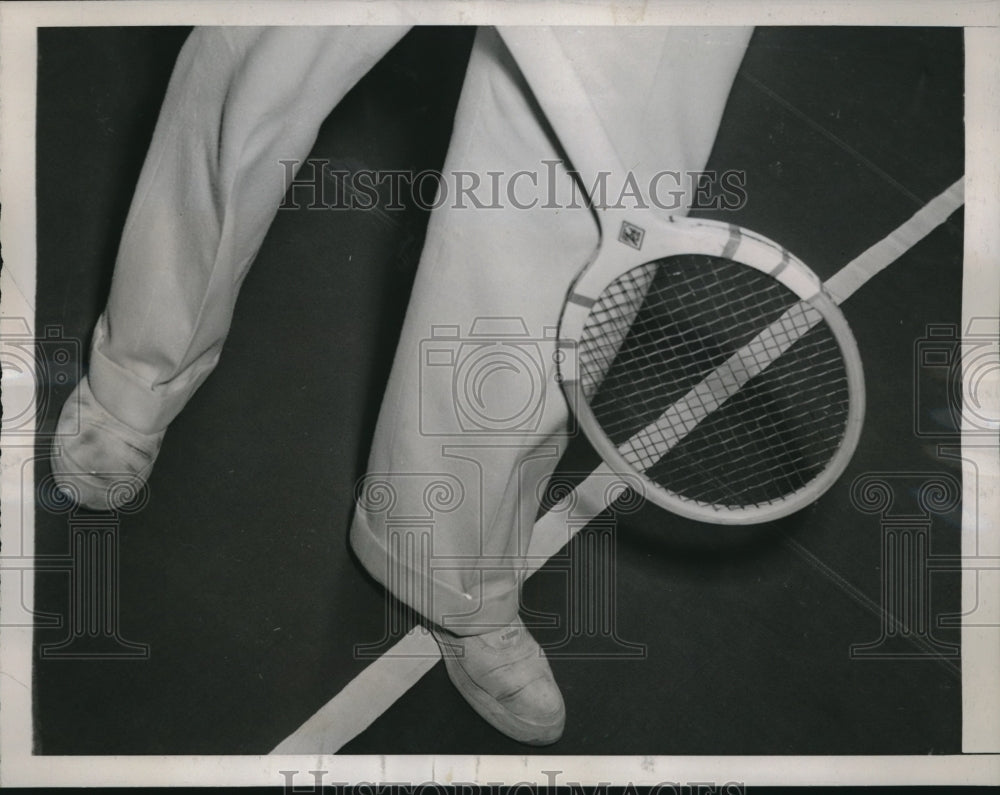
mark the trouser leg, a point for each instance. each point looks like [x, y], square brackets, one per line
[241, 100]
[472, 420]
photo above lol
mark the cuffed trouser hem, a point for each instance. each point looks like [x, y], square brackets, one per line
[142, 406]
[430, 590]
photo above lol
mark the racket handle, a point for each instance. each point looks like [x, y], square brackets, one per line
[566, 104]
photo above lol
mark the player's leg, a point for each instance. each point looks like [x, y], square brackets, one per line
[473, 419]
[440, 511]
[240, 102]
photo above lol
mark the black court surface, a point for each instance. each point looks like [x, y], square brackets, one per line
[240, 607]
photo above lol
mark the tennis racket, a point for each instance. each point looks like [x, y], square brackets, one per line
[700, 356]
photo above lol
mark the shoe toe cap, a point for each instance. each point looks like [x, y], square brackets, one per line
[539, 708]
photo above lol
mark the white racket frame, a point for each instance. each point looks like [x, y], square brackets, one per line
[685, 236]
[643, 235]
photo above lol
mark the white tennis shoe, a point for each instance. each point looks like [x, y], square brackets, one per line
[97, 460]
[506, 678]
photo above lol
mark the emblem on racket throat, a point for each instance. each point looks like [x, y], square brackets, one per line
[631, 235]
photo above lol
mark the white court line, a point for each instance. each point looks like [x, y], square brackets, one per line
[365, 697]
[379, 685]
[859, 270]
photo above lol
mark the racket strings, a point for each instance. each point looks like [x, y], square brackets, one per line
[610, 323]
[724, 389]
[780, 447]
[692, 320]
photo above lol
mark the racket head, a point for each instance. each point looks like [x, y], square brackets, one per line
[646, 344]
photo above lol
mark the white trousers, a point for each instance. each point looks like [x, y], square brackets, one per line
[472, 420]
